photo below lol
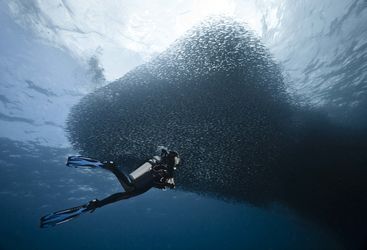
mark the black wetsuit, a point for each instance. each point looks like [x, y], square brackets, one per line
[157, 177]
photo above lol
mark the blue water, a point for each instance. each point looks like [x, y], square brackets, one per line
[322, 50]
[35, 181]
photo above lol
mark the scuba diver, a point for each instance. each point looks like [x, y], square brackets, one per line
[156, 172]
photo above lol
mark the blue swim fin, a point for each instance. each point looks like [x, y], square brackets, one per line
[85, 162]
[65, 215]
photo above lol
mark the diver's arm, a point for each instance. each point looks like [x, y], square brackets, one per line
[162, 181]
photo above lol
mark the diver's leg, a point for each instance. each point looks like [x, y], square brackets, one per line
[86, 162]
[115, 197]
[122, 178]
[66, 215]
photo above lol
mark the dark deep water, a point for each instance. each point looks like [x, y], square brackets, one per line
[155, 220]
[272, 131]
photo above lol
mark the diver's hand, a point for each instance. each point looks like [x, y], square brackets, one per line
[171, 183]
